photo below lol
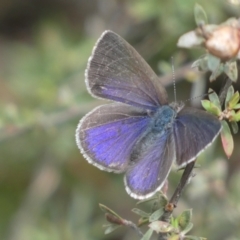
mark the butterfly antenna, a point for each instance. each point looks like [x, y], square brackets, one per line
[174, 81]
[200, 96]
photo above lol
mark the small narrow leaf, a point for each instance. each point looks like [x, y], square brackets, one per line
[231, 70]
[200, 15]
[215, 74]
[187, 228]
[111, 228]
[213, 97]
[237, 106]
[213, 63]
[108, 210]
[184, 219]
[211, 107]
[143, 221]
[147, 235]
[230, 93]
[174, 222]
[235, 117]
[140, 212]
[201, 64]
[234, 100]
[234, 126]
[156, 215]
[227, 139]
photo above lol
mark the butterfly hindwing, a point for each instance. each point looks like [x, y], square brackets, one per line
[107, 135]
[117, 72]
[194, 130]
[151, 165]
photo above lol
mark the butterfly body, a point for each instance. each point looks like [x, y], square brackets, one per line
[161, 122]
[139, 133]
[163, 118]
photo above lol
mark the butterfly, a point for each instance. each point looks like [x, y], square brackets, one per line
[139, 133]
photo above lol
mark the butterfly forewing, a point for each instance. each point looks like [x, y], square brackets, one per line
[117, 72]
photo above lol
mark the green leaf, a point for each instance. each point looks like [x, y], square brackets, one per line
[160, 226]
[213, 97]
[156, 215]
[140, 212]
[233, 101]
[213, 63]
[143, 221]
[227, 139]
[108, 210]
[230, 68]
[174, 222]
[211, 107]
[201, 64]
[184, 219]
[187, 228]
[230, 93]
[147, 235]
[200, 15]
[215, 74]
[235, 117]
[234, 126]
[237, 106]
[111, 228]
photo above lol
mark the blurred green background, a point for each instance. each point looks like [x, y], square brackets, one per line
[47, 190]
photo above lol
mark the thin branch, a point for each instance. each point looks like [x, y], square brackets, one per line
[133, 226]
[186, 176]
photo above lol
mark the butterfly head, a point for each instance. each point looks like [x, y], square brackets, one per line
[177, 106]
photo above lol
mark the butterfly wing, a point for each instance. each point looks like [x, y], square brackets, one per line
[117, 72]
[151, 166]
[194, 130]
[107, 135]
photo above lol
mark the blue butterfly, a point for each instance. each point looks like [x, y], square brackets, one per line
[139, 133]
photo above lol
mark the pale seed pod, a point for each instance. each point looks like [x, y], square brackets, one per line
[224, 42]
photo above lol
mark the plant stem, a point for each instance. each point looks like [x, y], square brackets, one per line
[186, 176]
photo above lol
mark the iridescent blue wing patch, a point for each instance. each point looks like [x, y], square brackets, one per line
[117, 72]
[106, 135]
[194, 130]
[151, 165]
